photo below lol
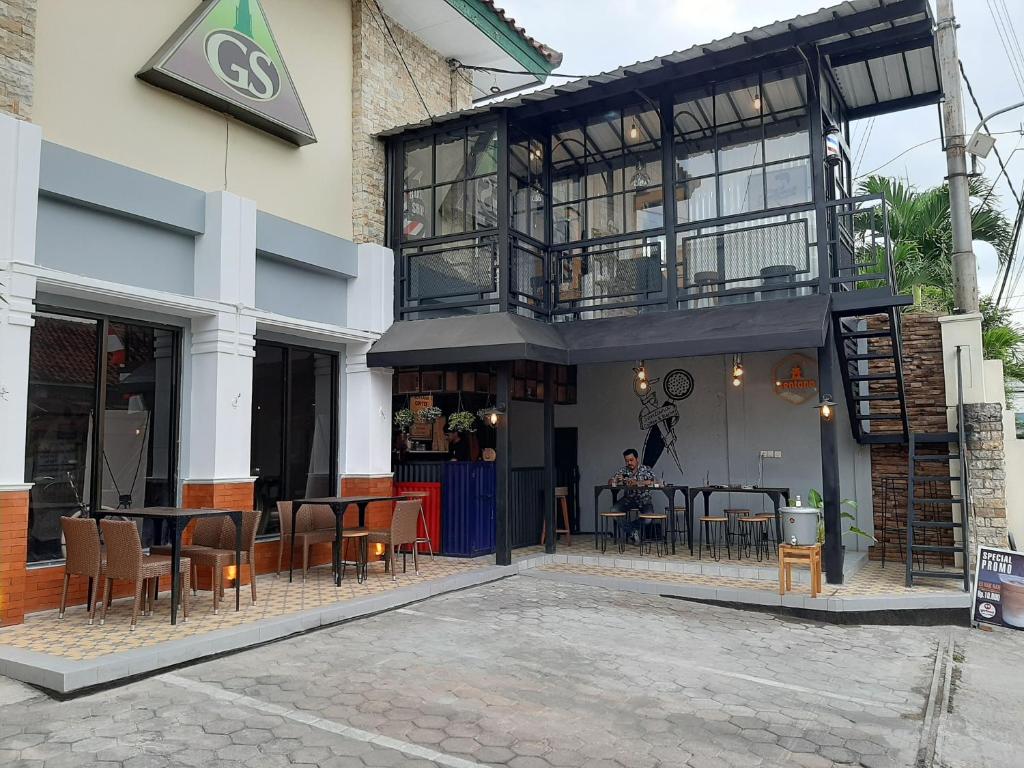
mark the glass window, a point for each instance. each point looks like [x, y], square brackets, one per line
[293, 423]
[694, 163]
[788, 183]
[417, 219]
[567, 221]
[450, 209]
[696, 200]
[604, 216]
[418, 163]
[786, 146]
[644, 210]
[746, 152]
[451, 158]
[75, 465]
[742, 192]
[450, 181]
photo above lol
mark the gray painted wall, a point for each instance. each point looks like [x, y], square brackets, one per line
[89, 242]
[721, 431]
[284, 288]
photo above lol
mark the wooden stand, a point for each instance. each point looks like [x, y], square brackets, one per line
[561, 498]
[790, 556]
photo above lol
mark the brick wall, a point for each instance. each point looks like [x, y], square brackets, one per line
[13, 548]
[983, 424]
[383, 97]
[926, 410]
[17, 56]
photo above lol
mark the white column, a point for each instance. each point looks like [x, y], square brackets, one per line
[20, 144]
[223, 345]
[370, 297]
[367, 422]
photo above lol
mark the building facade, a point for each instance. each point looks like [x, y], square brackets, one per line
[192, 265]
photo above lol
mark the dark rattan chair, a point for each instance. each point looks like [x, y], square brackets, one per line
[84, 558]
[126, 562]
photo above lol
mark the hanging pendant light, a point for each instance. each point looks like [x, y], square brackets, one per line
[640, 179]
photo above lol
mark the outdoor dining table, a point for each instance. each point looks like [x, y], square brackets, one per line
[178, 519]
[777, 495]
[338, 505]
[670, 494]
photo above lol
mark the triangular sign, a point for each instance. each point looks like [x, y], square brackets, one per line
[225, 56]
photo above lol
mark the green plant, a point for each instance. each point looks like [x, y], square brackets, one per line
[404, 419]
[816, 501]
[430, 414]
[461, 421]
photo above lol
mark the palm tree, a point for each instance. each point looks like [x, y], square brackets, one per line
[920, 227]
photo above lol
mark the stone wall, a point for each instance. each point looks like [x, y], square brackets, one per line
[383, 96]
[983, 423]
[17, 55]
[924, 384]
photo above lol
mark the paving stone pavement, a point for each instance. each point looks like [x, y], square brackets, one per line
[523, 673]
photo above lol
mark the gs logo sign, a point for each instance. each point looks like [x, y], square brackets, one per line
[240, 63]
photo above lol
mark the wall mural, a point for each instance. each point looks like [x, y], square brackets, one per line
[659, 421]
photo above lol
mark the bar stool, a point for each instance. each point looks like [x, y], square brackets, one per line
[362, 538]
[733, 526]
[647, 522]
[618, 535]
[562, 502]
[678, 533]
[714, 530]
[754, 531]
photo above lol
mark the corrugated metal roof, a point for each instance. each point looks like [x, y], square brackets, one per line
[863, 83]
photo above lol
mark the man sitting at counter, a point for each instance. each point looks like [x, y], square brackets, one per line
[637, 479]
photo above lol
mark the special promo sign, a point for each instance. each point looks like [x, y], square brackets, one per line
[999, 588]
[225, 56]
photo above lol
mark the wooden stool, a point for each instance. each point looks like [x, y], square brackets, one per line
[561, 499]
[617, 518]
[711, 525]
[645, 524]
[790, 556]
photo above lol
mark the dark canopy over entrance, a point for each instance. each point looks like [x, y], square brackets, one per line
[756, 327]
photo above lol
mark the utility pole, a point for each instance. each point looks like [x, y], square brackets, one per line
[965, 269]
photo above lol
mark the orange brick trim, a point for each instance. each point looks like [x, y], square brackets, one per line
[13, 553]
[233, 495]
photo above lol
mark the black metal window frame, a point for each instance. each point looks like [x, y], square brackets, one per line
[286, 420]
[104, 322]
[533, 290]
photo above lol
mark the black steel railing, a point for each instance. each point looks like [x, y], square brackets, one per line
[859, 245]
[731, 260]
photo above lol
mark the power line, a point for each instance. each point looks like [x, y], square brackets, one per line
[917, 146]
[398, 50]
[500, 71]
[1015, 66]
[981, 116]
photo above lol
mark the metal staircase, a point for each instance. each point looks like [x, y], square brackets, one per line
[871, 364]
[949, 447]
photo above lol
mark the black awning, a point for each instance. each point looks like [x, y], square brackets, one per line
[467, 339]
[758, 326]
[755, 327]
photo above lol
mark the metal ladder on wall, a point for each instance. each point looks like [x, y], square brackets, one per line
[952, 448]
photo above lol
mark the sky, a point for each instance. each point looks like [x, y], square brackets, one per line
[600, 35]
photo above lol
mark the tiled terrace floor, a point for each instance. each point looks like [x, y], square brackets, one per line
[72, 638]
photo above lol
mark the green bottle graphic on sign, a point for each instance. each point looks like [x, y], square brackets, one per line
[243, 18]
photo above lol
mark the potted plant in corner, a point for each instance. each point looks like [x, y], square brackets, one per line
[818, 503]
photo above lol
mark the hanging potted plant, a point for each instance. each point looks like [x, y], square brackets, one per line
[404, 419]
[461, 421]
[428, 415]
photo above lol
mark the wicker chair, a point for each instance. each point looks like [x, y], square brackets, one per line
[84, 558]
[403, 531]
[126, 562]
[205, 536]
[224, 555]
[313, 525]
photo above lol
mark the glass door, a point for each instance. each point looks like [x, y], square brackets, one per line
[102, 421]
[294, 426]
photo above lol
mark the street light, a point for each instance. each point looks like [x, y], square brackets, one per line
[981, 144]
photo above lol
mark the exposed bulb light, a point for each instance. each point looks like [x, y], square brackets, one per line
[737, 367]
[826, 407]
[643, 385]
[493, 418]
[634, 132]
[757, 103]
[737, 382]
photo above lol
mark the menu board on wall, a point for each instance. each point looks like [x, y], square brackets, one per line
[421, 430]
